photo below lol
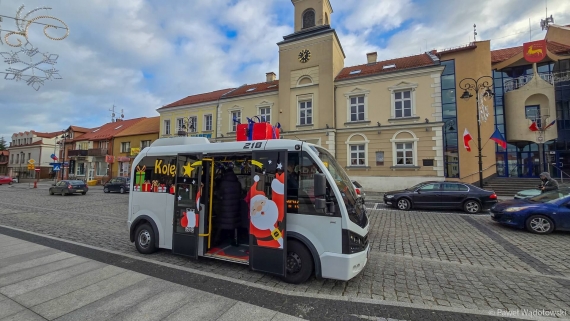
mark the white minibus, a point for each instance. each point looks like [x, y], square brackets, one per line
[283, 207]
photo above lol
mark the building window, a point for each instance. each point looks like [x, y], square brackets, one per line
[179, 124]
[126, 147]
[104, 144]
[357, 150]
[305, 112]
[405, 154]
[357, 108]
[145, 143]
[17, 158]
[193, 124]
[208, 122]
[308, 18]
[235, 119]
[124, 168]
[83, 146]
[265, 114]
[80, 169]
[403, 104]
[29, 156]
[101, 168]
[357, 155]
[12, 159]
[533, 113]
[167, 127]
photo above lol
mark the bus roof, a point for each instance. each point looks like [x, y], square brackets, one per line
[181, 145]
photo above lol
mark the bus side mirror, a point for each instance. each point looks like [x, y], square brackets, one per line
[320, 204]
[320, 182]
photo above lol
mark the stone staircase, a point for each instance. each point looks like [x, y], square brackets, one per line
[509, 186]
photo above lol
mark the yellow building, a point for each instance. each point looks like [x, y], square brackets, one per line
[128, 143]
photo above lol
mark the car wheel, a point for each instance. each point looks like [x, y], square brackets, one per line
[539, 224]
[63, 193]
[122, 190]
[144, 239]
[50, 191]
[472, 207]
[403, 204]
[106, 190]
[299, 263]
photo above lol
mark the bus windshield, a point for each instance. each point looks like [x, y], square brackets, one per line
[353, 206]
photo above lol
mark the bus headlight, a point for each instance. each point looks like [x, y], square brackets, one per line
[356, 243]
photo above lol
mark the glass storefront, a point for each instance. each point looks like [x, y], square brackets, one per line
[522, 160]
[449, 107]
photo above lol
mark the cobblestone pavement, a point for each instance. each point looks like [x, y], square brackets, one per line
[427, 258]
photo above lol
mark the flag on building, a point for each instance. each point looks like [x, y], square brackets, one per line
[498, 138]
[466, 138]
[552, 123]
[533, 126]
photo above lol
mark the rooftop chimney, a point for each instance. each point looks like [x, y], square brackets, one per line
[372, 56]
[270, 76]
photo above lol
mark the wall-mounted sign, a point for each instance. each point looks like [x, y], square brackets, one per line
[135, 151]
[534, 51]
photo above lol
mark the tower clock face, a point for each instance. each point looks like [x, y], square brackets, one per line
[304, 55]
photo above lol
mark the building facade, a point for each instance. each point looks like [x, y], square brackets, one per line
[32, 146]
[130, 142]
[4, 160]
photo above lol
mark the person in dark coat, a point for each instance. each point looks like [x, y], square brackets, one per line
[548, 183]
[227, 201]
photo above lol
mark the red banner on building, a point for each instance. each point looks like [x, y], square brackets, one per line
[534, 51]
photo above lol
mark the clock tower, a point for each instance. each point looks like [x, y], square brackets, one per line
[309, 60]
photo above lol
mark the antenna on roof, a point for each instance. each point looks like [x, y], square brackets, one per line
[545, 22]
[474, 33]
[112, 110]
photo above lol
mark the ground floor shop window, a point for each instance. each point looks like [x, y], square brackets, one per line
[405, 153]
[357, 155]
[101, 168]
[80, 169]
[124, 168]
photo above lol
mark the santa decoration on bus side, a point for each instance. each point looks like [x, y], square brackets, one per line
[266, 215]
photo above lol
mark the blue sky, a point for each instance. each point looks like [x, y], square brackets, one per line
[140, 54]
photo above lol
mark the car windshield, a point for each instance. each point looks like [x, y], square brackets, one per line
[344, 184]
[550, 196]
[415, 187]
[76, 182]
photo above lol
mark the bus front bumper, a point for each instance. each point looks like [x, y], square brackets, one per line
[343, 266]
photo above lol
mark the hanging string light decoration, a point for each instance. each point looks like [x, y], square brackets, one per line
[24, 63]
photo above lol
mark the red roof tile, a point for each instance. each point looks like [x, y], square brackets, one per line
[378, 68]
[48, 135]
[145, 126]
[4, 153]
[500, 55]
[80, 129]
[254, 89]
[470, 46]
[199, 98]
[109, 130]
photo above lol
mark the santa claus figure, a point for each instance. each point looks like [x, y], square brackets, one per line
[266, 215]
[190, 219]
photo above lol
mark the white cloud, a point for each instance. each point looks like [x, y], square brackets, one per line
[140, 54]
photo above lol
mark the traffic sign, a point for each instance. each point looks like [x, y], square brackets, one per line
[56, 167]
[31, 166]
[37, 169]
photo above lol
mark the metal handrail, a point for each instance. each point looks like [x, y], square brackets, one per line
[477, 172]
[561, 172]
[552, 78]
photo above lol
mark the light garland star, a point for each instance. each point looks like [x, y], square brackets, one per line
[179, 197]
[279, 166]
[269, 162]
[188, 170]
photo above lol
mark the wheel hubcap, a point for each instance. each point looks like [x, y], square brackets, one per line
[294, 263]
[472, 207]
[539, 224]
[403, 204]
[144, 239]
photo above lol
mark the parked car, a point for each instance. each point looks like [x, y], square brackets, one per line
[359, 190]
[539, 198]
[6, 180]
[536, 216]
[442, 195]
[528, 193]
[117, 184]
[67, 187]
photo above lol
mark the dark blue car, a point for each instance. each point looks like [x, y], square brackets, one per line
[541, 214]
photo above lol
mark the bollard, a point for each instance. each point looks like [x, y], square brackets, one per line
[35, 184]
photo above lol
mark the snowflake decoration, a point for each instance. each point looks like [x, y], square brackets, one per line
[483, 109]
[25, 65]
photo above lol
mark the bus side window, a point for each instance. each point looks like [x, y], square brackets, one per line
[153, 174]
[300, 180]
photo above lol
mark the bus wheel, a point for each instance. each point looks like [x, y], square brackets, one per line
[144, 239]
[299, 263]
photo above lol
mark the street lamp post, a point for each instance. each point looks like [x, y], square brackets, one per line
[484, 84]
[64, 137]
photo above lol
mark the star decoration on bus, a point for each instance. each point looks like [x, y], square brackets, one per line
[188, 170]
[179, 197]
[269, 162]
[279, 166]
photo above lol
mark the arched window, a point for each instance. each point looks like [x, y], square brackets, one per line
[308, 18]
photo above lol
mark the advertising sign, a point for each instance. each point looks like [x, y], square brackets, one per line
[534, 51]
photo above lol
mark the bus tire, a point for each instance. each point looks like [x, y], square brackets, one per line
[299, 263]
[144, 239]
